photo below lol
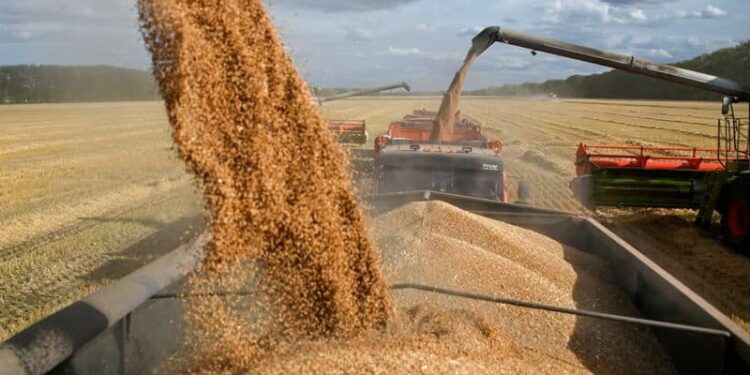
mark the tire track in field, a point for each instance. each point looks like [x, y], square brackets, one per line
[620, 139]
[34, 242]
[582, 133]
[38, 146]
[586, 115]
[80, 130]
[36, 223]
[499, 125]
[651, 127]
[636, 104]
[63, 278]
[667, 118]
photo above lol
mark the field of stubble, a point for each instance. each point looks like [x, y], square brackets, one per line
[89, 192]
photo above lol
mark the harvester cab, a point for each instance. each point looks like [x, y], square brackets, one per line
[705, 179]
[355, 131]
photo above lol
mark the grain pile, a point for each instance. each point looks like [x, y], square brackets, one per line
[274, 182]
[438, 244]
[435, 243]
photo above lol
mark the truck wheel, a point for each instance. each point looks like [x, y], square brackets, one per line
[735, 221]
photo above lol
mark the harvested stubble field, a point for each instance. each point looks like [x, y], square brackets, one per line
[88, 193]
[540, 139]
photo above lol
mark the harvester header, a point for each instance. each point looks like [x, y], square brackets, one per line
[737, 91]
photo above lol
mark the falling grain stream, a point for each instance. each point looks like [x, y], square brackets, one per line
[442, 130]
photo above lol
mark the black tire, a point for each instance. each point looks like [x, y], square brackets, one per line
[735, 220]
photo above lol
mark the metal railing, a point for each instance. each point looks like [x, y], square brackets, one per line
[733, 139]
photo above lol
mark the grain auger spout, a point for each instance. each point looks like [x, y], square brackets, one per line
[737, 91]
[374, 90]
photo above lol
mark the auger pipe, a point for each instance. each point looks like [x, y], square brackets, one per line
[394, 86]
[735, 90]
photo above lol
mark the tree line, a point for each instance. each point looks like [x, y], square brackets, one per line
[62, 84]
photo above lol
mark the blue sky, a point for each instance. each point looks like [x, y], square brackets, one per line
[371, 42]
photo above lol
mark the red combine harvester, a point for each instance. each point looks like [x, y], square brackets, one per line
[355, 131]
[709, 180]
[470, 164]
[349, 131]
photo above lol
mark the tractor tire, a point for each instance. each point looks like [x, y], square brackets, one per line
[735, 220]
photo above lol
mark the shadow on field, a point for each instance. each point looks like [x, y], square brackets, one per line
[145, 222]
[168, 237]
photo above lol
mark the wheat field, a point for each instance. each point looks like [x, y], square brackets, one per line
[90, 192]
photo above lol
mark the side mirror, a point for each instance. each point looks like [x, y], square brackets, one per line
[726, 104]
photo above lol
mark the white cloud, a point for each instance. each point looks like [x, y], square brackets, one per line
[469, 31]
[349, 5]
[615, 40]
[713, 12]
[360, 35]
[660, 52]
[404, 51]
[638, 15]
[511, 63]
[707, 13]
[423, 27]
[580, 11]
[71, 32]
